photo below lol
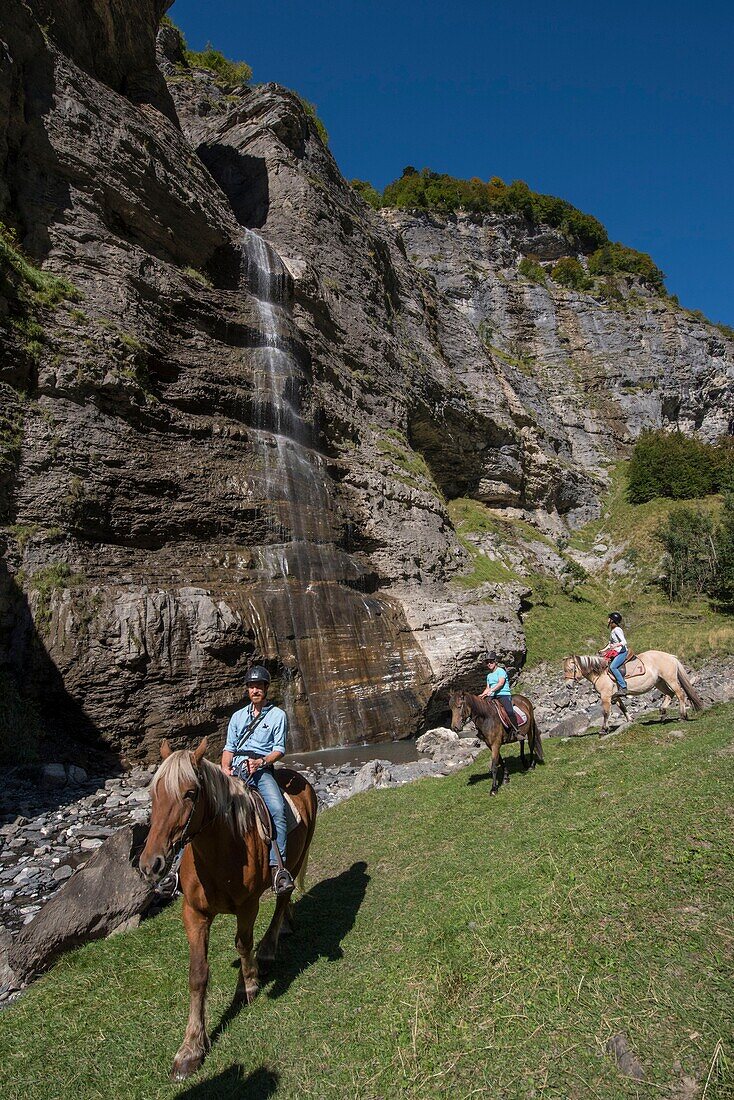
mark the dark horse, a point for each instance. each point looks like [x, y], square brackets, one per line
[484, 714]
[224, 870]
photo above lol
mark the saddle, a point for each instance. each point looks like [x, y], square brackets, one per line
[520, 715]
[633, 666]
[263, 819]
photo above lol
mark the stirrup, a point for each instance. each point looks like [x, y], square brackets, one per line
[282, 881]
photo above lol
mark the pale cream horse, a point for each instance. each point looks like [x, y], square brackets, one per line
[658, 670]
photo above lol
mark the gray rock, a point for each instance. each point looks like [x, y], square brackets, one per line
[572, 726]
[54, 775]
[62, 873]
[626, 1059]
[376, 773]
[99, 897]
[76, 775]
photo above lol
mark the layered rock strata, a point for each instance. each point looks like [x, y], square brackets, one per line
[202, 469]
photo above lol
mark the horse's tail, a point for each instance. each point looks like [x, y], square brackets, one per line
[689, 689]
[301, 876]
[536, 745]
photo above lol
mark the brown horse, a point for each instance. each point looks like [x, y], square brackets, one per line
[658, 669]
[483, 713]
[224, 870]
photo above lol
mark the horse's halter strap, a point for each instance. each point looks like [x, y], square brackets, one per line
[185, 838]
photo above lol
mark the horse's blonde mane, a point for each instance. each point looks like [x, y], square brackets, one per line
[227, 796]
[593, 664]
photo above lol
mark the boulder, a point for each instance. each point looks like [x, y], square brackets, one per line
[376, 773]
[572, 726]
[105, 893]
[54, 775]
[445, 746]
[76, 775]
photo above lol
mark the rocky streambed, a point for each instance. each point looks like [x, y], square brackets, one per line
[54, 819]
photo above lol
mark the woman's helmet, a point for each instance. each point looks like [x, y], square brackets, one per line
[491, 657]
[257, 675]
[615, 617]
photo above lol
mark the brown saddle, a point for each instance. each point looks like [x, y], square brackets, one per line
[264, 820]
[520, 715]
[633, 666]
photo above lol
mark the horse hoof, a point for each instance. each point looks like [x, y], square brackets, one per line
[251, 991]
[186, 1066]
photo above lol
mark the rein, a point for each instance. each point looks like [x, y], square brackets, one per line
[168, 884]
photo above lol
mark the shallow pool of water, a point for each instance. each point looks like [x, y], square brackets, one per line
[397, 752]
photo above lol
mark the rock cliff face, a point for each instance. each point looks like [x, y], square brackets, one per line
[592, 371]
[233, 437]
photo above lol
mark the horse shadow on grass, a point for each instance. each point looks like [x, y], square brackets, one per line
[232, 1084]
[513, 766]
[321, 920]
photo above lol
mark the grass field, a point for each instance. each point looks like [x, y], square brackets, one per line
[562, 622]
[451, 945]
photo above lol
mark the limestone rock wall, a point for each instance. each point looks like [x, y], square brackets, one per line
[592, 372]
[197, 473]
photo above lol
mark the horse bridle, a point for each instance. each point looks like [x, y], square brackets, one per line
[178, 848]
[576, 679]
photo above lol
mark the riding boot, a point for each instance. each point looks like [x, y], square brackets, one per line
[282, 881]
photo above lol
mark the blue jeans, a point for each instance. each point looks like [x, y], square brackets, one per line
[615, 666]
[267, 785]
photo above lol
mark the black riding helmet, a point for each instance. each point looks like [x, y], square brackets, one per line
[616, 618]
[257, 675]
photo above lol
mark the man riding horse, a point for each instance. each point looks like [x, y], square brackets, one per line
[256, 739]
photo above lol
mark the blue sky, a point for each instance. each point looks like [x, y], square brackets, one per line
[627, 111]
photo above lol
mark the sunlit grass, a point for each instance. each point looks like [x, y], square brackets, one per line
[451, 945]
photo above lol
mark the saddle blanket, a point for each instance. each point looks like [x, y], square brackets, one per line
[632, 667]
[520, 715]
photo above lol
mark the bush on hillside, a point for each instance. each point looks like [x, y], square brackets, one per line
[532, 270]
[669, 464]
[370, 195]
[231, 74]
[570, 273]
[723, 586]
[310, 109]
[428, 190]
[690, 553]
[612, 258]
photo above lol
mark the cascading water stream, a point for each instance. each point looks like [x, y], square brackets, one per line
[325, 618]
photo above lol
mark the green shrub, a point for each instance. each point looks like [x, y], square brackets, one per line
[230, 74]
[611, 258]
[45, 289]
[428, 190]
[690, 554]
[723, 585]
[370, 195]
[310, 109]
[569, 272]
[530, 269]
[669, 464]
[20, 723]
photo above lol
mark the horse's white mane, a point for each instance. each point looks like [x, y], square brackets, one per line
[593, 664]
[227, 796]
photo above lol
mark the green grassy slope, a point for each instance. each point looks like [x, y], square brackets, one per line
[451, 945]
[562, 622]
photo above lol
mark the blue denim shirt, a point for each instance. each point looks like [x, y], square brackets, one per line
[270, 735]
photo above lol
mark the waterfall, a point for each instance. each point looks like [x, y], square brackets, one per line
[308, 577]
